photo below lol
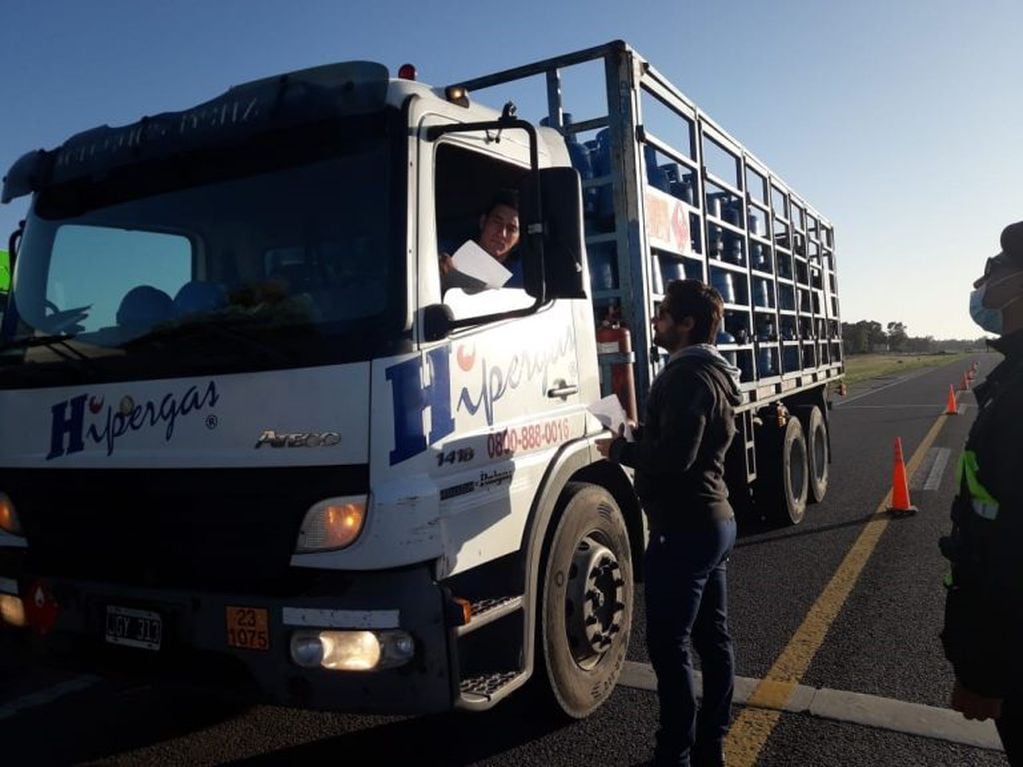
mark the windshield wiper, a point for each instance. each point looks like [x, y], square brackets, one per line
[59, 344]
[52, 341]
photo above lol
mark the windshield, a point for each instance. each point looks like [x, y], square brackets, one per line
[288, 266]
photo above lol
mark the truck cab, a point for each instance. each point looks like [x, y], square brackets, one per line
[241, 418]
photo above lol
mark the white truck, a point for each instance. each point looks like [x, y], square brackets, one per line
[242, 424]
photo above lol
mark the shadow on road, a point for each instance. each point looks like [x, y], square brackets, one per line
[755, 533]
[443, 739]
[66, 732]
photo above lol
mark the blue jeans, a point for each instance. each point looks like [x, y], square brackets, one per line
[686, 598]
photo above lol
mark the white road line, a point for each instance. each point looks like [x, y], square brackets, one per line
[931, 406]
[940, 462]
[854, 707]
[49, 695]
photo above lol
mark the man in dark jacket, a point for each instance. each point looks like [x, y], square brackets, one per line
[983, 635]
[679, 461]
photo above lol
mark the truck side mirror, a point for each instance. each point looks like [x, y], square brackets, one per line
[437, 320]
[560, 271]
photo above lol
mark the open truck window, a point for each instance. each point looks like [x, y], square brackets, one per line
[466, 183]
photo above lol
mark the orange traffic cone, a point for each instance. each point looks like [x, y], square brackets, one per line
[951, 408]
[964, 384]
[901, 507]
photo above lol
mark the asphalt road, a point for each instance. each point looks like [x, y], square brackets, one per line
[882, 642]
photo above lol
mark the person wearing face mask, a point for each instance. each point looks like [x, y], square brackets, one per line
[983, 633]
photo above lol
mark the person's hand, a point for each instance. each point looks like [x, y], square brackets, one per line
[974, 706]
[447, 264]
[604, 444]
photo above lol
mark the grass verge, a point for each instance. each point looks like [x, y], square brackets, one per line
[861, 367]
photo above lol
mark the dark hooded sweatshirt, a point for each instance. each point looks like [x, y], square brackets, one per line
[679, 453]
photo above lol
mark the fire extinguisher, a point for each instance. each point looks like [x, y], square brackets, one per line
[614, 338]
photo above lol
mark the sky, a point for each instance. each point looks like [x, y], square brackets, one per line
[899, 120]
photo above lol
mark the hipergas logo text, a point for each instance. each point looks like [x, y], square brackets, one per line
[411, 398]
[69, 431]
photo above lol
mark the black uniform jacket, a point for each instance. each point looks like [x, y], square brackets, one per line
[983, 634]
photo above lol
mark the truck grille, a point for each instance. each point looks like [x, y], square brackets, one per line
[207, 528]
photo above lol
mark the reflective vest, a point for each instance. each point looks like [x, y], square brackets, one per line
[983, 503]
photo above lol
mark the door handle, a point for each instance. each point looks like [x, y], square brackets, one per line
[563, 390]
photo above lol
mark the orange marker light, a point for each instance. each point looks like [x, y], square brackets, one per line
[8, 519]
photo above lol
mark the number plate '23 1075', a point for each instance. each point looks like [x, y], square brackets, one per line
[248, 628]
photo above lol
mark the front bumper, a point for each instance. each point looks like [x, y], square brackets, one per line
[195, 636]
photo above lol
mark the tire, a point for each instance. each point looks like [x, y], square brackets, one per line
[784, 485]
[587, 574]
[817, 457]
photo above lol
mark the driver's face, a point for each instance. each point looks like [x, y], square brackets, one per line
[499, 231]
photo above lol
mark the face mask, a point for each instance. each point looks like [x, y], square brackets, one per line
[989, 319]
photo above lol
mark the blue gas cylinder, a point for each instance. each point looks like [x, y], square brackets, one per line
[655, 175]
[724, 284]
[732, 213]
[715, 240]
[758, 256]
[733, 248]
[762, 293]
[600, 161]
[791, 358]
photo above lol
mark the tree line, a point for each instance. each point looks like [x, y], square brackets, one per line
[871, 336]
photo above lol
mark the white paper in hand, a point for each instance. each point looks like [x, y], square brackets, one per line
[472, 260]
[609, 411]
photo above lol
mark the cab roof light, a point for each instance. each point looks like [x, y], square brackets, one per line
[457, 94]
[407, 72]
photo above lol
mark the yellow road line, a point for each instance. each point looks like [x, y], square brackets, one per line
[751, 729]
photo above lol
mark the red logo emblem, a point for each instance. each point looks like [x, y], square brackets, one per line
[41, 608]
[680, 228]
[465, 359]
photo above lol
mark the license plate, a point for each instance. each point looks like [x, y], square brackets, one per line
[134, 628]
[248, 628]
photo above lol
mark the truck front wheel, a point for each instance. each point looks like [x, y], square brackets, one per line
[586, 608]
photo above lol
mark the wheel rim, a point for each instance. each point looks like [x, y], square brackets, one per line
[594, 604]
[820, 454]
[797, 469]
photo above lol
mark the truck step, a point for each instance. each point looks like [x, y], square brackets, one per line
[485, 690]
[486, 611]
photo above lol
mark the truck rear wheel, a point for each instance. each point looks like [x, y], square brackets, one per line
[783, 484]
[587, 596]
[816, 432]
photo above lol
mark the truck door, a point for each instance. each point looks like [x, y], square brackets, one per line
[514, 383]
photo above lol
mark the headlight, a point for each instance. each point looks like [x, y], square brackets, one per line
[331, 524]
[351, 650]
[8, 517]
[12, 610]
